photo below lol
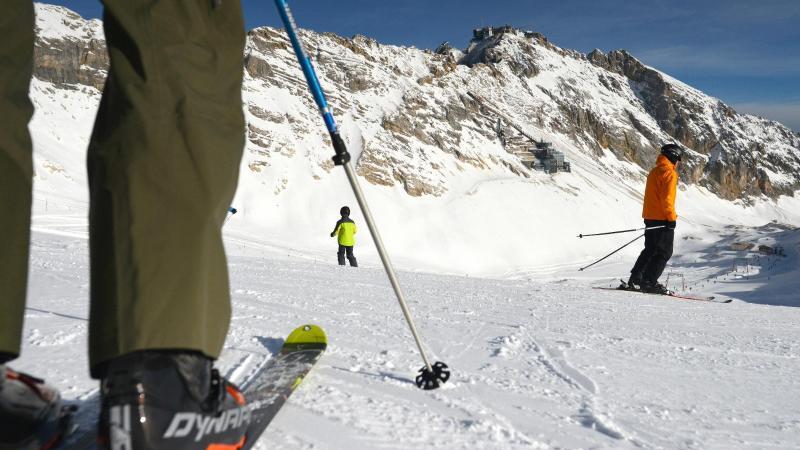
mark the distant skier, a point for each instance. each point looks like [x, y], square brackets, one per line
[345, 229]
[163, 163]
[658, 211]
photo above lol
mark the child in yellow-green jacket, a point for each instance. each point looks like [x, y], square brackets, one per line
[345, 229]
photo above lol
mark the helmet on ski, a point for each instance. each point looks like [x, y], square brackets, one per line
[673, 152]
[345, 211]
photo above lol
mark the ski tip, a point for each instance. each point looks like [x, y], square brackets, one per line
[307, 335]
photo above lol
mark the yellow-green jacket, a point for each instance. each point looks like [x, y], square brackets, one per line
[346, 230]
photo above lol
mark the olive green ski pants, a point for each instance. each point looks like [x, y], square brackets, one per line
[163, 163]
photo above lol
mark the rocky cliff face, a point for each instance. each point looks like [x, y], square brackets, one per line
[742, 150]
[407, 116]
[69, 51]
[732, 154]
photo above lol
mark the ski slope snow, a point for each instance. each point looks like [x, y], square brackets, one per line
[538, 361]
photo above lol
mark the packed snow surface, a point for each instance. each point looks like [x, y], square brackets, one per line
[537, 362]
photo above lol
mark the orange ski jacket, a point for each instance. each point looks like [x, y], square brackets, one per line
[659, 194]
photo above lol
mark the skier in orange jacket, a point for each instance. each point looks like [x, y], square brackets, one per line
[658, 211]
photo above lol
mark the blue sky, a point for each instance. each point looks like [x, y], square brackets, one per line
[745, 52]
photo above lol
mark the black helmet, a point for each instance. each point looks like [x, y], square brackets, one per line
[673, 152]
[345, 211]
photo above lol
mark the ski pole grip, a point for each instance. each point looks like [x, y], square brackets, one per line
[341, 157]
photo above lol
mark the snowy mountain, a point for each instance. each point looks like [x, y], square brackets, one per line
[439, 138]
[418, 126]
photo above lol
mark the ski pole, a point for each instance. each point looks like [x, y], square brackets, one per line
[431, 375]
[615, 251]
[622, 231]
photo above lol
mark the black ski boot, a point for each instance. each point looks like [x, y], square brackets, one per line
[634, 283]
[155, 400]
[655, 288]
[31, 416]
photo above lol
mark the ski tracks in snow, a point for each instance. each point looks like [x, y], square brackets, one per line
[552, 362]
[590, 414]
[511, 386]
[500, 390]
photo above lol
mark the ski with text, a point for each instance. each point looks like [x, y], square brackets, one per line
[266, 391]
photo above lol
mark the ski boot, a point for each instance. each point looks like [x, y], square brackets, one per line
[634, 283]
[655, 288]
[155, 400]
[31, 414]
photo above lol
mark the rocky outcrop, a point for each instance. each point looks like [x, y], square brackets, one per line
[69, 62]
[673, 114]
[737, 164]
[75, 56]
[490, 51]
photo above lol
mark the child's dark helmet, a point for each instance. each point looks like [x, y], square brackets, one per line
[345, 211]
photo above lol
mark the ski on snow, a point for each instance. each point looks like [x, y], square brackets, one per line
[269, 389]
[624, 287]
[266, 391]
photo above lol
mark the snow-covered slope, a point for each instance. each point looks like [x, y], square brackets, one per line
[536, 364]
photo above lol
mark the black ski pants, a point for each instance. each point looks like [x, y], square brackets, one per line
[657, 251]
[346, 249]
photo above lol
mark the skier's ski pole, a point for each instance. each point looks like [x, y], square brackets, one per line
[431, 375]
[615, 251]
[621, 231]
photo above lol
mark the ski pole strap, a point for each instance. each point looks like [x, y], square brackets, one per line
[621, 231]
[615, 251]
